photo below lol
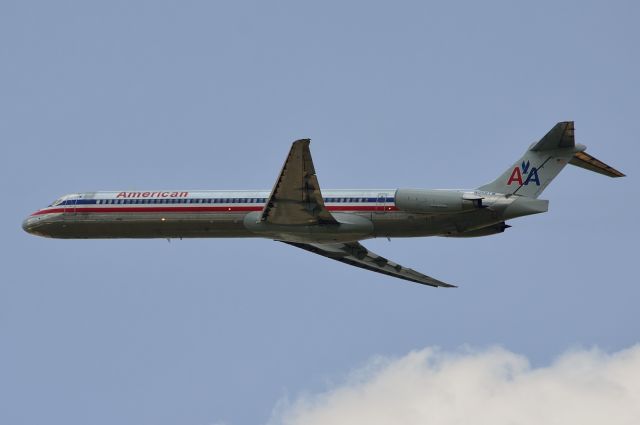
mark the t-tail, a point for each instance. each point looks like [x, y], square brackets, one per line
[544, 160]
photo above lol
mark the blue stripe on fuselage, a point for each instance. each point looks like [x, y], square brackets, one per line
[136, 201]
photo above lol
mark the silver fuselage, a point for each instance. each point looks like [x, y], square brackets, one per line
[362, 214]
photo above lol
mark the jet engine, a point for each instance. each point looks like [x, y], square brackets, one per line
[436, 201]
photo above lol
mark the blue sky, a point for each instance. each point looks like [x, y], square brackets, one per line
[205, 95]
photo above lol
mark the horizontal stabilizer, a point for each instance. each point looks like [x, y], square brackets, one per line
[586, 161]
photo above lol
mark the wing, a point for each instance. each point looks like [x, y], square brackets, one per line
[296, 198]
[357, 255]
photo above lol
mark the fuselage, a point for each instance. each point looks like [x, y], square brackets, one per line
[362, 214]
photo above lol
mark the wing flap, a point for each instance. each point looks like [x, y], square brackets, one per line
[357, 255]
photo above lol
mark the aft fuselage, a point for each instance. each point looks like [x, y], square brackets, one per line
[362, 214]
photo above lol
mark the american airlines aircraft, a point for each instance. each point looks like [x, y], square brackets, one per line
[326, 222]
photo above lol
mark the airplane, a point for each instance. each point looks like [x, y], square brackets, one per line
[326, 222]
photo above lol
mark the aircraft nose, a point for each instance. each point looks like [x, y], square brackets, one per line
[30, 225]
[27, 225]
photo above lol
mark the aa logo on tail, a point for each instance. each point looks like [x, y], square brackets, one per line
[517, 173]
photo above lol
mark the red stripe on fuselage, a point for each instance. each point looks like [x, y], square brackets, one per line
[80, 210]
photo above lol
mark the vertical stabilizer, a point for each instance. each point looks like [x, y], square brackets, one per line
[540, 164]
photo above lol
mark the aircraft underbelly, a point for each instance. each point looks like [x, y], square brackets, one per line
[145, 226]
[402, 224]
[230, 225]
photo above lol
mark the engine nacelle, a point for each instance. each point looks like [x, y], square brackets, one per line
[436, 201]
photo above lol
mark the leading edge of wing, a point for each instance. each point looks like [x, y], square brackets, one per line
[357, 255]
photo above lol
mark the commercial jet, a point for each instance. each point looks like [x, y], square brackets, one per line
[327, 222]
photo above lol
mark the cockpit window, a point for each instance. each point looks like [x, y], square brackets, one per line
[56, 202]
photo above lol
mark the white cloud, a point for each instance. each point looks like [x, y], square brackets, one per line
[491, 387]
